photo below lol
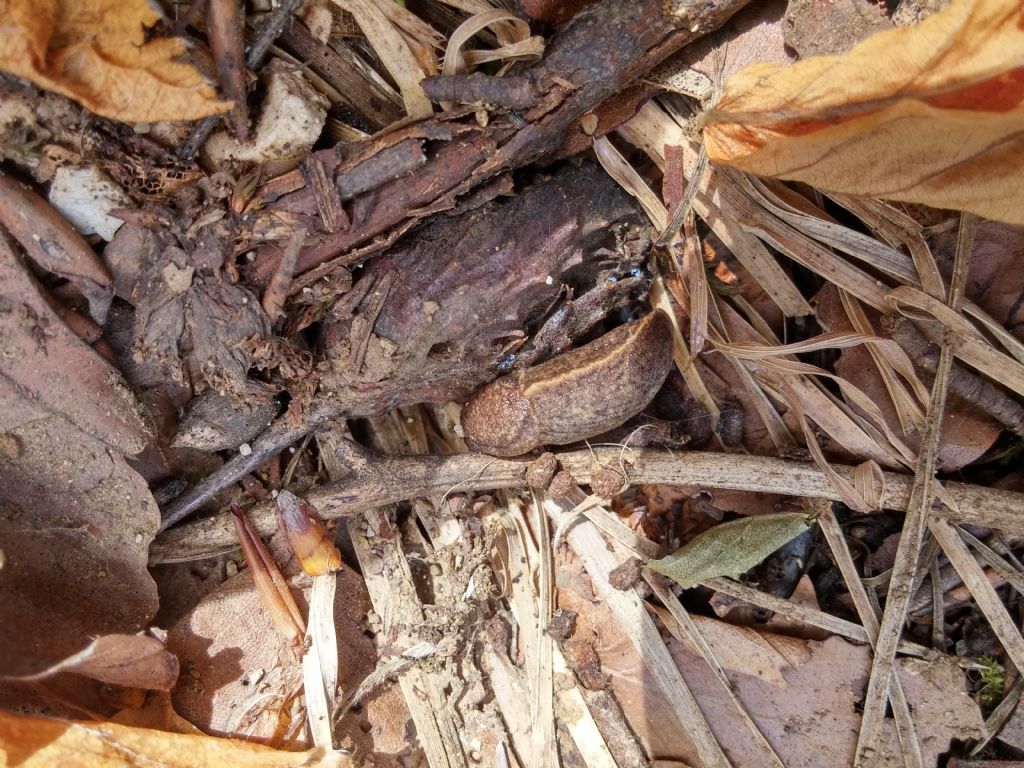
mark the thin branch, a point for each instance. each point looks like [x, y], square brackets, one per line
[906, 564]
[376, 480]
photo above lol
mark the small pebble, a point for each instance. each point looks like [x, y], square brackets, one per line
[245, 449]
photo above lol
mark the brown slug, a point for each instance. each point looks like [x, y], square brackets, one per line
[575, 395]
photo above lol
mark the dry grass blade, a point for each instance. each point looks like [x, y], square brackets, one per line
[690, 631]
[1000, 715]
[906, 563]
[627, 177]
[681, 354]
[654, 130]
[1009, 573]
[697, 283]
[513, 35]
[810, 616]
[971, 347]
[889, 363]
[545, 749]
[981, 589]
[866, 610]
[867, 249]
[631, 615]
[394, 53]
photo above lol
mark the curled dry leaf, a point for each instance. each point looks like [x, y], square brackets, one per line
[731, 548]
[928, 114]
[96, 52]
[32, 742]
[270, 583]
[134, 661]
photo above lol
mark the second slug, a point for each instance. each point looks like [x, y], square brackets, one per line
[575, 395]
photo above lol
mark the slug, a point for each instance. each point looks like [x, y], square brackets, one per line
[578, 394]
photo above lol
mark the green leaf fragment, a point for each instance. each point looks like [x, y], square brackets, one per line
[730, 549]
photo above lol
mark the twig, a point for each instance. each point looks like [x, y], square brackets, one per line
[906, 563]
[376, 480]
[264, 37]
[869, 618]
[281, 434]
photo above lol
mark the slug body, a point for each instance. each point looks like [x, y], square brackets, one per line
[575, 395]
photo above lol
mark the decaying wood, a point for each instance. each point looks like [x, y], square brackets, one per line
[604, 48]
[378, 480]
[262, 39]
[225, 29]
[347, 73]
[471, 286]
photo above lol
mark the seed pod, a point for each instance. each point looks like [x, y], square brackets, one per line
[309, 539]
[576, 395]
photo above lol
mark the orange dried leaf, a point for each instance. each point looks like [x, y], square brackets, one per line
[95, 52]
[929, 114]
[32, 742]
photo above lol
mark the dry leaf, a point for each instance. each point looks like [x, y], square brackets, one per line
[77, 521]
[135, 661]
[38, 741]
[731, 548]
[95, 51]
[929, 114]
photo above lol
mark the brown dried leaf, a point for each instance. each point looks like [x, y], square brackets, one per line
[270, 583]
[75, 520]
[33, 742]
[135, 661]
[929, 114]
[96, 52]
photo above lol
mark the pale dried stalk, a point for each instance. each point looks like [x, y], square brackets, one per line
[691, 632]
[393, 594]
[320, 664]
[869, 618]
[394, 53]
[916, 522]
[632, 616]
[909, 413]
